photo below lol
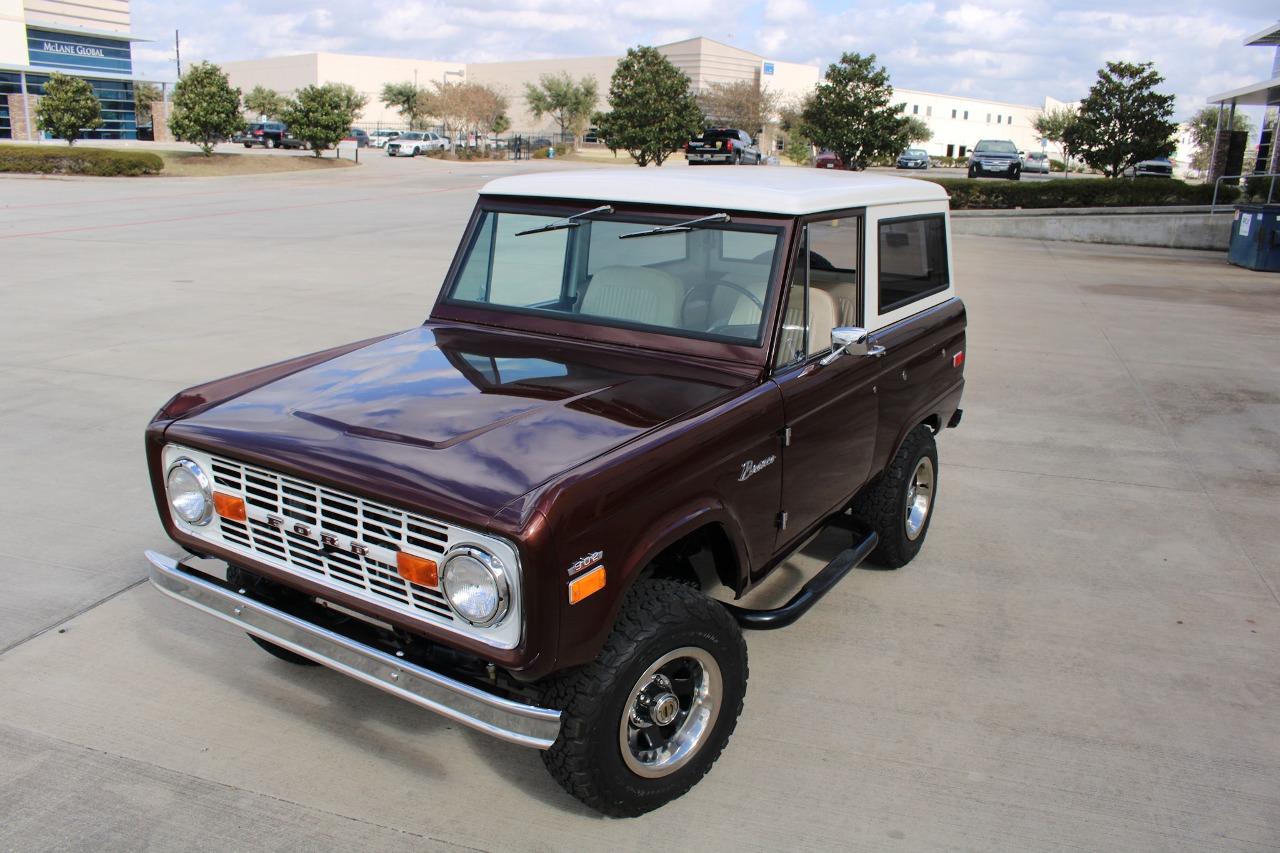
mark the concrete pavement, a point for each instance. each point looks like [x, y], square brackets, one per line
[1082, 657]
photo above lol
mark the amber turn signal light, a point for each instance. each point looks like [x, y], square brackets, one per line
[585, 585]
[229, 507]
[417, 570]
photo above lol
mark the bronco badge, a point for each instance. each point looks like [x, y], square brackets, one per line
[749, 468]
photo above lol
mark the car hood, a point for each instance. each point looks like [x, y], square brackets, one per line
[994, 156]
[450, 420]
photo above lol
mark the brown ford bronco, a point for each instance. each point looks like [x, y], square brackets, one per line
[633, 390]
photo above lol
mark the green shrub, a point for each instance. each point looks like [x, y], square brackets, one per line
[1084, 192]
[541, 153]
[101, 162]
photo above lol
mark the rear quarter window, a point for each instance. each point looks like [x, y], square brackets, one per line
[913, 260]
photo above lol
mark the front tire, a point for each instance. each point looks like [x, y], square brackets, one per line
[644, 722]
[283, 654]
[972, 172]
[899, 506]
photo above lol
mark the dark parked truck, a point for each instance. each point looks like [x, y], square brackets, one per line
[633, 391]
[723, 145]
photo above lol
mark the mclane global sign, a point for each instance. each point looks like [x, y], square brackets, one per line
[73, 49]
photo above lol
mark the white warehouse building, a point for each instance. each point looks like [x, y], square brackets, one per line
[957, 122]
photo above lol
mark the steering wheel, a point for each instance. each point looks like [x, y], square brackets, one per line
[684, 306]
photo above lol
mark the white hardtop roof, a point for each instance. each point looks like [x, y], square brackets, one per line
[790, 191]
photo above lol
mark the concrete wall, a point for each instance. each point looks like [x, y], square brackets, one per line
[13, 33]
[22, 108]
[90, 14]
[368, 74]
[1173, 228]
[284, 74]
[791, 80]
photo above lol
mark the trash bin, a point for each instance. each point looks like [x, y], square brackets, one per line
[1255, 237]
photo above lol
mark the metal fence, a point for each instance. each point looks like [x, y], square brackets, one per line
[1217, 185]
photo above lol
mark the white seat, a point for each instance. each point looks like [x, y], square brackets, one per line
[635, 294]
[822, 319]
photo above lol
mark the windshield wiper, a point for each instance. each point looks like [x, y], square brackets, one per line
[568, 221]
[680, 226]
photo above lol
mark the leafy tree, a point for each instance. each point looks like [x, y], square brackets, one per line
[501, 124]
[446, 102]
[1055, 126]
[742, 105]
[798, 149]
[918, 131]
[851, 114]
[353, 101]
[1123, 120]
[568, 103]
[319, 115]
[651, 110]
[484, 110]
[405, 98]
[144, 95]
[1201, 129]
[206, 108]
[265, 102]
[68, 107]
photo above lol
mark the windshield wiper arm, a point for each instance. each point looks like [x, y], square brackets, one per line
[680, 226]
[568, 221]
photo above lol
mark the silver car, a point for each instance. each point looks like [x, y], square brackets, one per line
[1036, 161]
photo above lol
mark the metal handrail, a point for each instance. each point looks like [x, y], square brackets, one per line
[1213, 205]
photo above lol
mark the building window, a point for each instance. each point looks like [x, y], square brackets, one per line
[961, 151]
[118, 118]
[84, 53]
[10, 84]
[966, 115]
[1009, 120]
[951, 151]
[928, 111]
[915, 109]
[988, 118]
[998, 118]
[953, 113]
[913, 260]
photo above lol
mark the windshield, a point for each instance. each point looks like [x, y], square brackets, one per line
[916, 152]
[988, 146]
[412, 135]
[709, 282]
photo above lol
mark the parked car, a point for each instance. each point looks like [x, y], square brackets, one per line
[1036, 161]
[997, 157]
[1156, 167]
[268, 134]
[625, 397]
[359, 136]
[913, 158]
[415, 142]
[379, 138]
[828, 159]
[723, 145]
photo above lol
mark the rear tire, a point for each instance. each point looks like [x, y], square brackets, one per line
[674, 655]
[891, 506]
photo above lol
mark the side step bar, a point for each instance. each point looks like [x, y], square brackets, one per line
[818, 586]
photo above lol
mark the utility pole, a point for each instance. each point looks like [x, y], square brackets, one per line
[177, 52]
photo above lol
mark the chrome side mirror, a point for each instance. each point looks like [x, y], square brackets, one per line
[851, 340]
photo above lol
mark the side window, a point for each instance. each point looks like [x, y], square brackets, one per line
[823, 292]
[913, 260]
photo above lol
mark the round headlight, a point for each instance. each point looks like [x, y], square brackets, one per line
[189, 492]
[475, 585]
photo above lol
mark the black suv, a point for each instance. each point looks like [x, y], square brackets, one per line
[268, 134]
[997, 157]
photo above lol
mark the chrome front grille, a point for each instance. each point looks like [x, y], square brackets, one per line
[340, 540]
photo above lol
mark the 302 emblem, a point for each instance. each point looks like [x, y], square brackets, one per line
[586, 562]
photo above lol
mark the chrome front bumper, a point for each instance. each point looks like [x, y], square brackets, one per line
[527, 725]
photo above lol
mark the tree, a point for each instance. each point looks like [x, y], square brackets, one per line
[144, 95]
[265, 102]
[446, 102]
[353, 101]
[851, 114]
[405, 98]
[484, 110]
[318, 115]
[742, 105]
[1055, 126]
[68, 107]
[1202, 127]
[651, 110]
[918, 131]
[568, 103]
[206, 108]
[1124, 120]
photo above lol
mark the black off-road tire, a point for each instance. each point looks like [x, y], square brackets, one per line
[882, 505]
[283, 654]
[657, 617]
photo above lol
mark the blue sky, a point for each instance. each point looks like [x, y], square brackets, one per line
[1013, 51]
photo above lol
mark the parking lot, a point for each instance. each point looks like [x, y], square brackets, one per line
[1084, 656]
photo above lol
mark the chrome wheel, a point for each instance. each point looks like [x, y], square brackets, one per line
[670, 712]
[919, 497]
